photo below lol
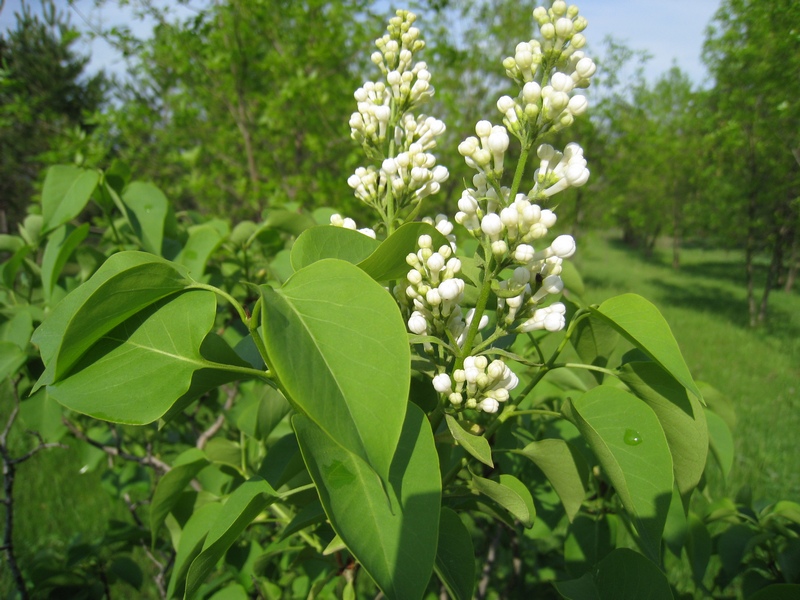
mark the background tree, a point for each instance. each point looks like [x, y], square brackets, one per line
[245, 104]
[45, 99]
[753, 52]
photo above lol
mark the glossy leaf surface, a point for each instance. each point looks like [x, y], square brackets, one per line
[327, 241]
[389, 260]
[338, 344]
[681, 416]
[67, 190]
[642, 324]
[160, 357]
[239, 510]
[564, 467]
[455, 556]
[390, 526]
[627, 439]
[125, 284]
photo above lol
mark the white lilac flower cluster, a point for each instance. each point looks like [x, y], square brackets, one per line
[511, 225]
[545, 99]
[398, 141]
[338, 220]
[433, 291]
[479, 385]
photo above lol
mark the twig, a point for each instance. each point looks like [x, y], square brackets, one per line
[487, 567]
[203, 438]
[148, 461]
[9, 472]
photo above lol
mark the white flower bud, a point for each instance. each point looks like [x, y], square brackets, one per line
[563, 246]
[499, 248]
[435, 263]
[442, 384]
[450, 289]
[434, 298]
[483, 128]
[491, 225]
[552, 284]
[417, 323]
[489, 405]
[523, 253]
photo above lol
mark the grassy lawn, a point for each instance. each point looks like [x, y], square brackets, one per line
[758, 370]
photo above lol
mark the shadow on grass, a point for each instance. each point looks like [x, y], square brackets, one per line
[715, 286]
[716, 300]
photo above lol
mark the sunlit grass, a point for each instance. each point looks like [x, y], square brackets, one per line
[759, 370]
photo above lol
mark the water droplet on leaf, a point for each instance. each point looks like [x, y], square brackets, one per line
[632, 437]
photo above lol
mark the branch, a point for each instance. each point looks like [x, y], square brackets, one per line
[148, 461]
[486, 572]
[202, 440]
[9, 473]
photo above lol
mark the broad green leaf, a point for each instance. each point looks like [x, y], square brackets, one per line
[627, 439]
[327, 241]
[160, 357]
[12, 357]
[225, 452]
[476, 445]
[720, 442]
[677, 525]
[594, 339]
[262, 415]
[718, 403]
[191, 544]
[203, 240]
[311, 514]
[287, 221]
[124, 568]
[511, 494]
[42, 414]
[621, 575]
[60, 246]
[18, 328]
[390, 526]
[147, 210]
[66, 191]
[564, 467]
[243, 505]
[389, 260]
[698, 547]
[588, 540]
[681, 416]
[171, 485]
[10, 268]
[338, 344]
[455, 556]
[233, 591]
[640, 322]
[125, 284]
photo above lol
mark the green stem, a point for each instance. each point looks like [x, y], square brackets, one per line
[235, 303]
[523, 159]
[585, 366]
[480, 307]
[283, 516]
[548, 366]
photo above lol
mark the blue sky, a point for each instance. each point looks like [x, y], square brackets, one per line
[670, 30]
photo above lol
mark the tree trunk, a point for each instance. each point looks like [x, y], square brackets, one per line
[772, 275]
[794, 259]
[749, 255]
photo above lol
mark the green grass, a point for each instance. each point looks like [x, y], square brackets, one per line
[758, 370]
